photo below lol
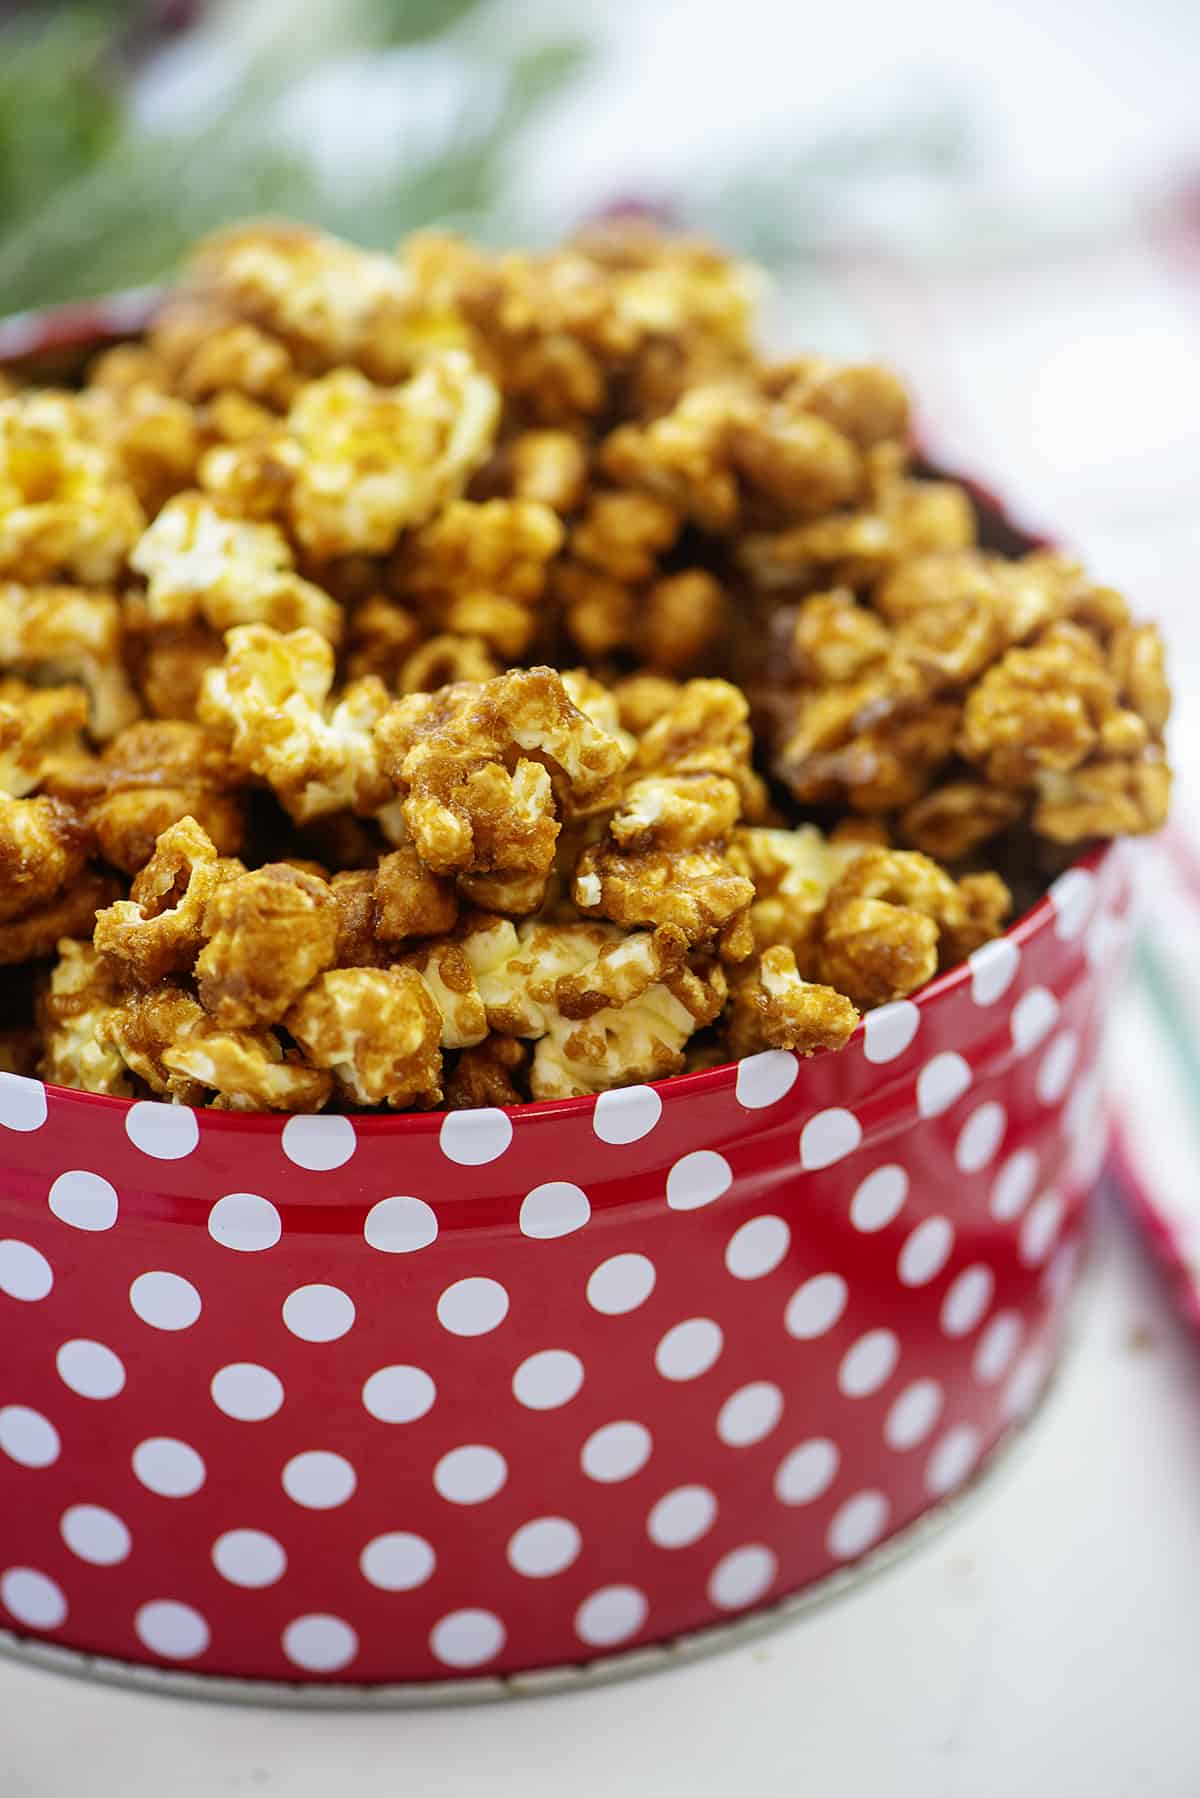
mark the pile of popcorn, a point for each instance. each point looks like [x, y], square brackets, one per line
[458, 678]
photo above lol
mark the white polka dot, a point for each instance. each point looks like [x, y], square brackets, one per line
[399, 1394]
[172, 1630]
[397, 1561]
[926, 1251]
[319, 1643]
[750, 1413]
[1039, 1227]
[473, 1306]
[95, 1534]
[616, 1451]
[1033, 1018]
[816, 1306]
[554, 1209]
[472, 1138]
[400, 1225]
[1085, 1105]
[698, 1179]
[993, 969]
[25, 1272]
[90, 1369]
[940, 1082]
[467, 1638]
[689, 1349]
[548, 1379]
[470, 1475]
[967, 1298]
[1013, 1186]
[249, 1558]
[888, 1031]
[318, 1313]
[544, 1546]
[913, 1414]
[33, 1598]
[1105, 939]
[682, 1517]
[1072, 896]
[742, 1576]
[869, 1363]
[22, 1103]
[829, 1137]
[764, 1079]
[1025, 1386]
[246, 1391]
[244, 1221]
[165, 1301]
[1059, 1277]
[997, 1346]
[879, 1198]
[1058, 1064]
[168, 1132]
[169, 1467]
[980, 1137]
[319, 1143]
[611, 1615]
[1088, 1157]
[857, 1525]
[621, 1284]
[757, 1247]
[27, 1437]
[807, 1471]
[85, 1201]
[626, 1114]
[318, 1479]
[952, 1459]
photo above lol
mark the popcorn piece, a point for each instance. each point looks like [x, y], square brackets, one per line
[874, 743]
[62, 634]
[679, 811]
[378, 1031]
[43, 849]
[622, 971]
[154, 439]
[549, 467]
[205, 356]
[248, 1070]
[879, 935]
[144, 1028]
[445, 968]
[158, 930]
[354, 897]
[623, 534]
[490, 1073]
[864, 402]
[63, 508]
[480, 570]
[270, 933]
[376, 461]
[683, 620]
[70, 912]
[328, 301]
[954, 819]
[695, 889]
[792, 871]
[170, 665]
[272, 694]
[1049, 707]
[197, 562]
[80, 995]
[446, 660]
[409, 900]
[474, 801]
[149, 777]
[1103, 799]
[641, 1040]
[771, 1007]
[40, 733]
[381, 637]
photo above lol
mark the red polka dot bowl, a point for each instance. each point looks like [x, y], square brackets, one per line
[469, 1403]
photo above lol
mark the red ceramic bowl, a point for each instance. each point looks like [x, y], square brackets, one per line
[435, 1402]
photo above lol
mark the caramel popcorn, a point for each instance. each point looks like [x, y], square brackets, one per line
[455, 678]
[65, 506]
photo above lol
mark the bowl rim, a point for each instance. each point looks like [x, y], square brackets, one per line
[110, 318]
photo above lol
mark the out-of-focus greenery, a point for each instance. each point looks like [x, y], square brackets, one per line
[92, 200]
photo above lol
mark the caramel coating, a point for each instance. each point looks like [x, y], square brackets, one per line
[459, 677]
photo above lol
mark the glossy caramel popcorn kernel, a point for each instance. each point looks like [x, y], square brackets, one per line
[772, 1007]
[269, 932]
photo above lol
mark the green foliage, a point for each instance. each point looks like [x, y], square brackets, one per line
[117, 205]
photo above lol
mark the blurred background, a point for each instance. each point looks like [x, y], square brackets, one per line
[1000, 198]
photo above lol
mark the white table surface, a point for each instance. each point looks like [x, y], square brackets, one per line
[1045, 1643]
